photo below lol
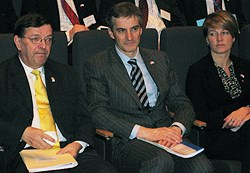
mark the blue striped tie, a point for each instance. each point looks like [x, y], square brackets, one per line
[217, 5]
[138, 83]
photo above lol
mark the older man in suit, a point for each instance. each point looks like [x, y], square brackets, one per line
[24, 108]
[116, 104]
[196, 10]
[161, 13]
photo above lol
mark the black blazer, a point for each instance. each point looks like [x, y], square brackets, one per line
[206, 91]
[195, 10]
[177, 19]
[8, 16]
[65, 97]
[49, 9]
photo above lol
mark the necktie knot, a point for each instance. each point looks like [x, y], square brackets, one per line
[132, 62]
[36, 72]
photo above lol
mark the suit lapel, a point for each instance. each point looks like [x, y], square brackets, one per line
[20, 82]
[155, 70]
[213, 78]
[51, 83]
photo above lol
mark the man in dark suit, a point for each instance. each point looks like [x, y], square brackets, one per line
[53, 11]
[21, 122]
[8, 16]
[116, 105]
[166, 11]
[245, 8]
[196, 10]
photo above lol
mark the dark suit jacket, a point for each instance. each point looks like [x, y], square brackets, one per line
[8, 16]
[49, 9]
[245, 8]
[206, 91]
[114, 104]
[177, 19]
[195, 10]
[16, 108]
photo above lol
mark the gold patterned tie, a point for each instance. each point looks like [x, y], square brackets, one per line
[46, 119]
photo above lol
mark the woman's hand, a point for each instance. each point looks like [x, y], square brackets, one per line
[237, 118]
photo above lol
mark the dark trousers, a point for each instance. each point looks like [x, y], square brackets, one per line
[228, 145]
[138, 156]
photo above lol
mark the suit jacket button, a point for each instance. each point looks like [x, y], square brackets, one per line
[29, 120]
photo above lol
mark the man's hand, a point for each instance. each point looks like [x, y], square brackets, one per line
[169, 144]
[166, 136]
[77, 28]
[237, 117]
[34, 137]
[72, 149]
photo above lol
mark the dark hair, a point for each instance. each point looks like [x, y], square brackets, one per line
[29, 20]
[123, 9]
[221, 19]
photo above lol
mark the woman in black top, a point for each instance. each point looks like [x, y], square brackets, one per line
[219, 88]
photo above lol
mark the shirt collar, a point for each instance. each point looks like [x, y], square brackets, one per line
[28, 69]
[125, 58]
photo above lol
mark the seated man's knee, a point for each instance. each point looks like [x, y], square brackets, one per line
[159, 162]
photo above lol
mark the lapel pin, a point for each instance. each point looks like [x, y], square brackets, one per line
[242, 76]
[151, 62]
[53, 79]
[81, 5]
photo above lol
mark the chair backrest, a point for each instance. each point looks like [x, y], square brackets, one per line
[244, 43]
[86, 44]
[184, 46]
[7, 47]
[59, 50]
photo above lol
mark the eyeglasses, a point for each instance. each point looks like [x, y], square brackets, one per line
[38, 40]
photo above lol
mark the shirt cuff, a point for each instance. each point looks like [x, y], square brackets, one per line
[68, 38]
[83, 144]
[183, 128]
[134, 132]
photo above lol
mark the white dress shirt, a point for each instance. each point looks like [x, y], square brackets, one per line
[65, 23]
[154, 19]
[210, 6]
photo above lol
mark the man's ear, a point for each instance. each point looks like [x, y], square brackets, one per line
[17, 42]
[111, 34]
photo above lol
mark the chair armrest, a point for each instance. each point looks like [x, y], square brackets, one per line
[103, 143]
[104, 133]
[200, 124]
